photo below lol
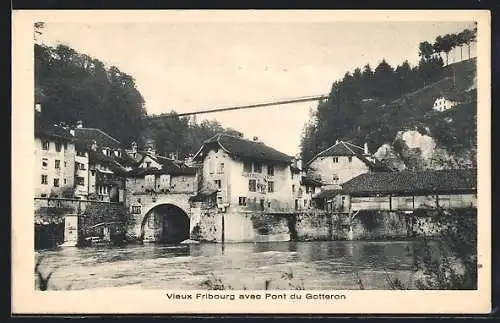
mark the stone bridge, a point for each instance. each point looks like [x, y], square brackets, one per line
[159, 217]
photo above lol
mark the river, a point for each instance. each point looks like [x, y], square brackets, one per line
[317, 265]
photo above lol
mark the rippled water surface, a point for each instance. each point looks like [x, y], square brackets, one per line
[319, 265]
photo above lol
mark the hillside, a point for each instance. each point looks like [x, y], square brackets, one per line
[383, 121]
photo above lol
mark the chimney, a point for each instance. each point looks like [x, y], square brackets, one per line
[79, 124]
[299, 163]
[38, 107]
[336, 141]
[134, 147]
[366, 149]
[94, 146]
[72, 132]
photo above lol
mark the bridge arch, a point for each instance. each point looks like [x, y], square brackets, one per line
[165, 222]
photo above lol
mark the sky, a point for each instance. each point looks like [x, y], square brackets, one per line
[193, 66]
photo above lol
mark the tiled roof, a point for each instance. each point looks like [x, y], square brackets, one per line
[140, 172]
[310, 181]
[101, 138]
[46, 129]
[343, 148]
[438, 181]
[246, 149]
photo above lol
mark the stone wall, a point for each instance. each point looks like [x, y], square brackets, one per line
[381, 225]
[313, 225]
[206, 224]
[271, 227]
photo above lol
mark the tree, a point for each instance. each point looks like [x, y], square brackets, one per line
[469, 36]
[73, 86]
[460, 41]
[425, 50]
[445, 44]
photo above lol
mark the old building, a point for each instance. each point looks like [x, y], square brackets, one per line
[54, 159]
[408, 191]
[341, 162]
[159, 197]
[99, 163]
[248, 178]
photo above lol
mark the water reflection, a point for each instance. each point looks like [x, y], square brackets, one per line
[322, 265]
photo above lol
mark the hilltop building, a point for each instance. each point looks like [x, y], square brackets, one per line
[442, 104]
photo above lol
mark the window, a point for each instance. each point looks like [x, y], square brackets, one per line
[270, 187]
[65, 181]
[262, 204]
[92, 172]
[43, 195]
[65, 164]
[136, 209]
[58, 147]
[242, 200]
[270, 170]
[247, 167]
[293, 188]
[80, 153]
[335, 159]
[44, 179]
[296, 204]
[45, 145]
[335, 178]
[218, 183]
[307, 189]
[252, 185]
[305, 202]
[82, 166]
[219, 200]
[148, 164]
[257, 168]
[56, 182]
[211, 166]
[80, 180]
[349, 159]
[44, 162]
[57, 164]
[220, 169]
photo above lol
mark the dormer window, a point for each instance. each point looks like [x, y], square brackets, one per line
[45, 145]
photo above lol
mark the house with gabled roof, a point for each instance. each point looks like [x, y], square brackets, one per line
[247, 177]
[99, 162]
[343, 161]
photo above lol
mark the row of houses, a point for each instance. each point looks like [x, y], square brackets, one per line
[237, 175]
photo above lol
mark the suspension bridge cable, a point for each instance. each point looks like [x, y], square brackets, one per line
[249, 106]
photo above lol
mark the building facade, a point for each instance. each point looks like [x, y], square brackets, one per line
[248, 178]
[54, 159]
[342, 162]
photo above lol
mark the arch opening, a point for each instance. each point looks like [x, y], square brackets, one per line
[165, 223]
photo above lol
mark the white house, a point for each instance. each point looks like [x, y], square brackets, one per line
[443, 104]
[54, 159]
